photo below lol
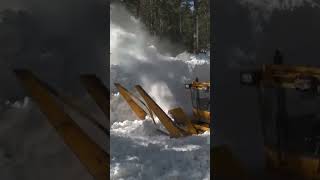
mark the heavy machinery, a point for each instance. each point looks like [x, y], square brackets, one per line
[200, 98]
[291, 142]
[179, 124]
[50, 102]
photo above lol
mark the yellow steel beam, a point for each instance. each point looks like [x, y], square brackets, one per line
[74, 105]
[294, 69]
[165, 120]
[98, 92]
[134, 106]
[87, 151]
[286, 75]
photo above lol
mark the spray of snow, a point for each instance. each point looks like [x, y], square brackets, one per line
[135, 60]
[138, 150]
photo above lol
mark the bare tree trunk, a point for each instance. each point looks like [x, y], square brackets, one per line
[158, 18]
[180, 17]
[138, 8]
[196, 27]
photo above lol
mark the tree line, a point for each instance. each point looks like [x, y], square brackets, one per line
[186, 22]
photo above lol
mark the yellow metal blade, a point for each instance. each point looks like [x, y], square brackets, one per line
[88, 152]
[134, 106]
[180, 116]
[201, 127]
[75, 105]
[165, 120]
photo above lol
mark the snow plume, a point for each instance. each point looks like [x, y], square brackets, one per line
[136, 60]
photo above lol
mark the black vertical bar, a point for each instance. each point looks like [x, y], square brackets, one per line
[263, 111]
[281, 114]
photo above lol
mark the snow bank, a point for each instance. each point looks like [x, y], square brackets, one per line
[140, 152]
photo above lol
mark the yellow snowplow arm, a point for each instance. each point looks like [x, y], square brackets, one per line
[163, 117]
[180, 116]
[88, 152]
[133, 105]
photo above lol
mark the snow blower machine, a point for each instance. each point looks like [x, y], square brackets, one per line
[176, 121]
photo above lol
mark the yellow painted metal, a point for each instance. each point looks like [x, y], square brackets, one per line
[180, 116]
[75, 105]
[294, 69]
[285, 75]
[226, 166]
[98, 92]
[87, 151]
[202, 127]
[134, 106]
[294, 164]
[165, 120]
[205, 85]
[199, 114]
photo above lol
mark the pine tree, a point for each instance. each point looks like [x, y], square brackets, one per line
[186, 22]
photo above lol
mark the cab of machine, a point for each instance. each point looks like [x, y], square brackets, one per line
[200, 98]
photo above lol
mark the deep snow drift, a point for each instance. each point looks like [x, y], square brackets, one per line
[138, 150]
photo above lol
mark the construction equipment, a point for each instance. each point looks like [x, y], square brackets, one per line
[291, 143]
[90, 154]
[180, 124]
[200, 97]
